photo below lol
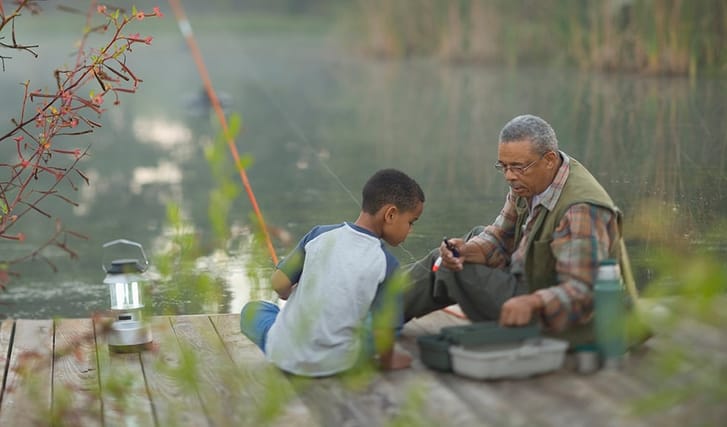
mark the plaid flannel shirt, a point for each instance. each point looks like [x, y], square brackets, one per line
[581, 239]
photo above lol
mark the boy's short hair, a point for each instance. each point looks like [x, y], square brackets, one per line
[391, 186]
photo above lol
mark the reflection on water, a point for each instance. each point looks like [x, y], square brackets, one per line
[167, 173]
[168, 134]
[318, 122]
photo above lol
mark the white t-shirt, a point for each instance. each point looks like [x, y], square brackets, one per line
[339, 270]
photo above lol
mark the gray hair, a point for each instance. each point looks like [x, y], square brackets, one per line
[530, 128]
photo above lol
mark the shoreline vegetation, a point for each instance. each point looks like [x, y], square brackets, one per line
[649, 37]
[645, 37]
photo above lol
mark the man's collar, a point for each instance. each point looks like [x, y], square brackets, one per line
[549, 197]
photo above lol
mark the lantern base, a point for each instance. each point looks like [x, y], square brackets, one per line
[129, 336]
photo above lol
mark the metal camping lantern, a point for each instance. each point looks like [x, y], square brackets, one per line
[126, 279]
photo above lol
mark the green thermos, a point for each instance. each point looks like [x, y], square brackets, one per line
[610, 314]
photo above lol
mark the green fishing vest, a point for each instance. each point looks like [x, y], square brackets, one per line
[580, 187]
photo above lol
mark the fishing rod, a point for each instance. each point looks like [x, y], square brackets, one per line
[186, 29]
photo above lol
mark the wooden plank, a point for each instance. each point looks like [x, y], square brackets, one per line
[404, 397]
[224, 395]
[481, 401]
[75, 375]
[124, 397]
[641, 379]
[609, 396]
[6, 337]
[358, 402]
[231, 383]
[424, 400]
[365, 399]
[382, 398]
[532, 394]
[27, 398]
[263, 383]
[685, 356]
[170, 376]
[488, 405]
[361, 398]
[504, 402]
[578, 403]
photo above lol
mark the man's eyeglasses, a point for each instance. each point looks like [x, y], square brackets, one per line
[516, 169]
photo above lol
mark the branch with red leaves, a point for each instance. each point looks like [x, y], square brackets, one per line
[63, 111]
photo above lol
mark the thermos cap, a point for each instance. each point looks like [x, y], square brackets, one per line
[608, 271]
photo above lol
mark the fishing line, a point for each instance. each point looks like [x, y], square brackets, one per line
[186, 30]
[304, 138]
[307, 142]
[299, 132]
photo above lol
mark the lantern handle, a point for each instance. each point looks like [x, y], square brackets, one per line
[124, 242]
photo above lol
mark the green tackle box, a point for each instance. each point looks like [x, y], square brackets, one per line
[434, 352]
[488, 333]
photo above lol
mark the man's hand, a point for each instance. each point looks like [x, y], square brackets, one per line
[469, 252]
[518, 311]
[450, 261]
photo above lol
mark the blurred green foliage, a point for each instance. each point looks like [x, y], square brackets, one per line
[684, 307]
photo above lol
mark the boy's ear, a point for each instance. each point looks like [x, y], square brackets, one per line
[390, 212]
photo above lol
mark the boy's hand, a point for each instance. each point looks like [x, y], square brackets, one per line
[281, 284]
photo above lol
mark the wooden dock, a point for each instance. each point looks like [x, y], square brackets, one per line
[202, 371]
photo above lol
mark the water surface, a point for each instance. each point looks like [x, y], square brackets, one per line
[318, 121]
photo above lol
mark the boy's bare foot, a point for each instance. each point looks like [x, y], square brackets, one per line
[398, 360]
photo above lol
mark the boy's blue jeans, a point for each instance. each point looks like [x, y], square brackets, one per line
[256, 318]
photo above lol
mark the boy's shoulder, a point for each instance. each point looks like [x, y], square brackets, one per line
[317, 231]
[322, 229]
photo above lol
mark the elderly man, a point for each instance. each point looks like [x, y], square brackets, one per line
[540, 257]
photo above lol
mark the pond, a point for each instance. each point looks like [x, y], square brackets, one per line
[317, 121]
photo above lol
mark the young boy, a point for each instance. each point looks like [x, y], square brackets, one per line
[338, 282]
